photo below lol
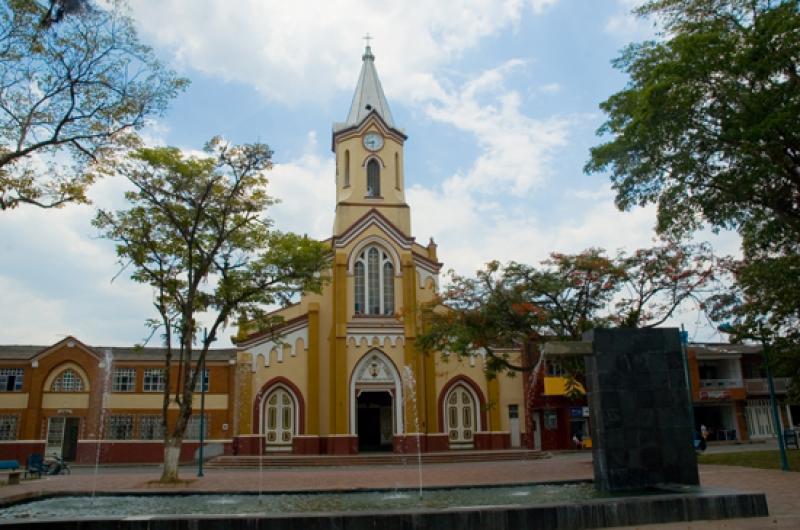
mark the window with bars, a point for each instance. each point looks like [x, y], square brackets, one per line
[124, 380]
[193, 427]
[374, 283]
[11, 379]
[203, 379]
[119, 427]
[8, 427]
[67, 381]
[150, 427]
[153, 380]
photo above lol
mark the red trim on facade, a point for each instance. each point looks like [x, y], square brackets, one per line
[133, 452]
[492, 440]
[246, 342]
[474, 386]
[354, 226]
[280, 380]
[20, 451]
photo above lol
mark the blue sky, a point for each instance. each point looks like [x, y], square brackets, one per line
[499, 100]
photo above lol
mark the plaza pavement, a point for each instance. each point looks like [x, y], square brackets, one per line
[781, 488]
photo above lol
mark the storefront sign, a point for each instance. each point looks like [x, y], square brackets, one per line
[576, 412]
[714, 394]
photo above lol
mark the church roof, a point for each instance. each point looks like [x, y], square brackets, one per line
[369, 96]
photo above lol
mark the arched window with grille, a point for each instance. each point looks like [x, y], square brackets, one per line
[67, 381]
[373, 179]
[374, 282]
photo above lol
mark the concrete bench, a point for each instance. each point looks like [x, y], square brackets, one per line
[12, 466]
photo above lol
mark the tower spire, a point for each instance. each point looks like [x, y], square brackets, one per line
[369, 94]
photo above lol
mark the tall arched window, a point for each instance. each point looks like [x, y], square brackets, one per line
[373, 179]
[346, 168]
[396, 171]
[374, 283]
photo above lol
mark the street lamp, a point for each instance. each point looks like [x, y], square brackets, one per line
[727, 328]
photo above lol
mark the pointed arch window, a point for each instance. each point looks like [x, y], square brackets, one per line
[374, 283]
[373, 179]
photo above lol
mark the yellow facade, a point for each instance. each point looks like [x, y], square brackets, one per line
[344, 374]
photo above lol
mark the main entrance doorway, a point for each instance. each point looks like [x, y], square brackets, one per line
[374, 421]
[376, 402]
[62, 437]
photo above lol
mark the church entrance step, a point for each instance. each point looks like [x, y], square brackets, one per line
[369, 459]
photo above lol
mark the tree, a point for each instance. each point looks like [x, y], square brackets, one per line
[762, 300]
[195, 233]
[75, 86]
[509, 307]
[707, 130]
[706, 127]
[657, 281]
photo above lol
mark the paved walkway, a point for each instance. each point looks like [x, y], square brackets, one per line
[781, 487]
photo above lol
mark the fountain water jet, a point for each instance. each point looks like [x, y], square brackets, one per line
[105, 392]
[411, 386]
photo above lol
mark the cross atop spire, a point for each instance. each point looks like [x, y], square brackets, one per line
[367, 38]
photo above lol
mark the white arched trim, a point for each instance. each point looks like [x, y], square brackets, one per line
[382, 244]
[373, 156]
[295, 408]
[475, 401]
[63, 367]
[386, 378]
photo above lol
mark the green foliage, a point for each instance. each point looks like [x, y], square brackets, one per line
[763, 301]
[75, 86]
[195, 232]
[503, 309]
[707, 129]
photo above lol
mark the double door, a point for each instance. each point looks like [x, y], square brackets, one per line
[62, 437]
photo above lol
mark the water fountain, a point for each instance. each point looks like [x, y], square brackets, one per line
[106, 367]
[619, 362]
[411, 392]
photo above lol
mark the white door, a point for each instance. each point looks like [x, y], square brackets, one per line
[279, 420]
[513, 425]
[461, 416]
[537, 431]
[55, 436]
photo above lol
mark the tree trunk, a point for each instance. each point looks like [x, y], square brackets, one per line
[172, 453]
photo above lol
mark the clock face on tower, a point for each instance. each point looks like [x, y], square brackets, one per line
[373, 141]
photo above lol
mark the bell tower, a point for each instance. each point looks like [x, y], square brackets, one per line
[369, 156]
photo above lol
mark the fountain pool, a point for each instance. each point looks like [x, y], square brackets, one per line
[564, 505]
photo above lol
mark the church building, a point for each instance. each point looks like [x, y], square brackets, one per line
[340, 375]
[344, 375]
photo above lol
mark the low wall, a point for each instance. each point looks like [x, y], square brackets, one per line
[138, 451]
[625, 511]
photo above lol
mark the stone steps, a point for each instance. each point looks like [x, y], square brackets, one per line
[370, 459]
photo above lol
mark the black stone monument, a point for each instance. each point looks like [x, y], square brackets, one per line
[641, 429]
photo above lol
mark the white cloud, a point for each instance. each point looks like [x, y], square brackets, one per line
[514, 148]
[626, 25]
[307, 190]
[295, 51]
[550, 88]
